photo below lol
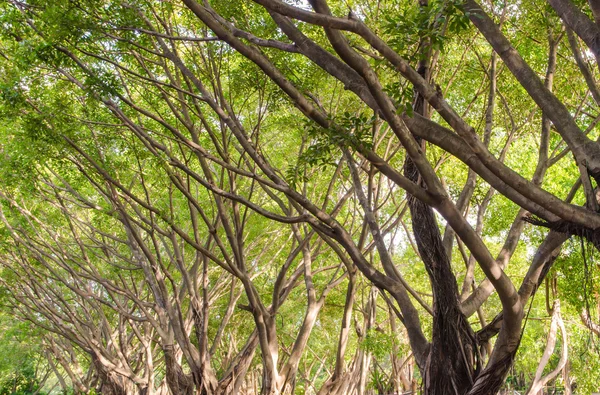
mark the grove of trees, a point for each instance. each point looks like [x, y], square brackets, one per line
[299, 196]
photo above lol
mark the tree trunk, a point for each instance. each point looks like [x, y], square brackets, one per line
[452, 360]
[177, 380]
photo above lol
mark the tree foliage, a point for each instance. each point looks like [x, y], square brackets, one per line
[219, 197]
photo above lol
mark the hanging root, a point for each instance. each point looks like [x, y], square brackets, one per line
[493, 376]
[570, 228]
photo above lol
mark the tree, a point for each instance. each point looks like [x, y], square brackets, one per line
[199, 171]
[22, 368]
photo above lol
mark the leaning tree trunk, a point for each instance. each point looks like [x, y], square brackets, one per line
[540, 381]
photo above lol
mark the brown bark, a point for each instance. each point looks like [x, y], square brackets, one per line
[452, 362]
[585, 150]
[179, 382]
[580, 23]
